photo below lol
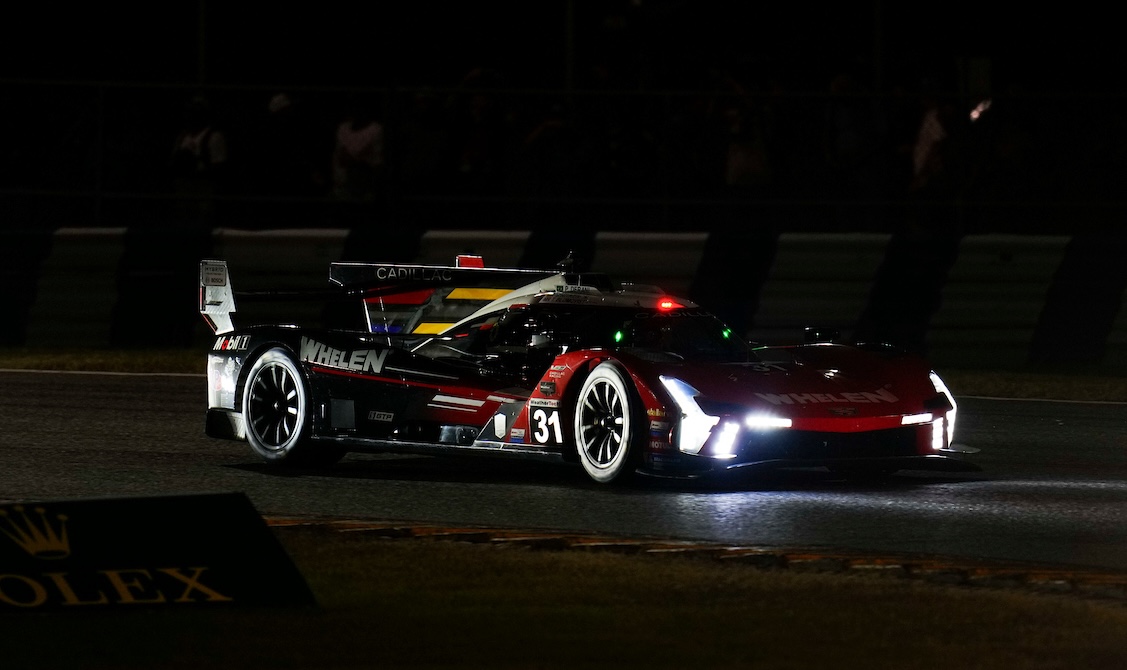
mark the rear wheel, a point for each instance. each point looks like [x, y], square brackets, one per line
[276, 411]
[604, 426]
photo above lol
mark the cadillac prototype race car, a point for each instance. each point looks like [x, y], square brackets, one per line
[619, 378]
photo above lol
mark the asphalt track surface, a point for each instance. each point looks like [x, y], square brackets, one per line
[1053, 489]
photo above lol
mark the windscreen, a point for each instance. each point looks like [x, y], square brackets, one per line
[678, 334]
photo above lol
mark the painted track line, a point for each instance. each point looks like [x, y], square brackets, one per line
[1056, 400]
[106, 373]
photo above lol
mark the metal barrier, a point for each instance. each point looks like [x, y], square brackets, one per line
[980, 301]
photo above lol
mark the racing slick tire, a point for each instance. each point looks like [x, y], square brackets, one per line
[276, 412]
[605, 425]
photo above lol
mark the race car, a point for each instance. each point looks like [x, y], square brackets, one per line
[620, 378]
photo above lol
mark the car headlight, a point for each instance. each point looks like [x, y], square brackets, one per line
[940, 387]
[695, 426]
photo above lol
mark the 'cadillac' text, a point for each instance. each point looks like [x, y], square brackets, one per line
[414, 273]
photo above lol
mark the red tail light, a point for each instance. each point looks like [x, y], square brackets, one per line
[666, 304]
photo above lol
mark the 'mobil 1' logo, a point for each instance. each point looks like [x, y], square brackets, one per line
[44, 536]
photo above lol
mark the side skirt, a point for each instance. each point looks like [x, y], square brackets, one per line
[478, 448]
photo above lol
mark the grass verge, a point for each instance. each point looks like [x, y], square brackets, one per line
[423, 603]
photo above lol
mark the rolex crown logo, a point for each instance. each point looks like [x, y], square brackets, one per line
[37, 534]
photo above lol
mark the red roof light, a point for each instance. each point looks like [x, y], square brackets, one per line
[666, 304]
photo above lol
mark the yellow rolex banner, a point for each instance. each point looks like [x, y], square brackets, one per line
[169, 552]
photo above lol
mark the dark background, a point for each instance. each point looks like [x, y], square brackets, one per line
[603, 114]
[567, 118]
[554, 43]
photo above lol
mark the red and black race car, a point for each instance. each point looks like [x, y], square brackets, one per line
[619, 378]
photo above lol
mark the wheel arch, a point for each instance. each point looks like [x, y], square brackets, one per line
[299, 447]
[633, 389]
[570, 399]
[255, 352]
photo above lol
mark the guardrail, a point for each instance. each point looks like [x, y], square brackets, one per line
[979, 301]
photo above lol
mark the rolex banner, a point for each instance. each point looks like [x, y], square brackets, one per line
[168, 552]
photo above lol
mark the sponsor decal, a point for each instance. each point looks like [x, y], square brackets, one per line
[516, 434]
[359, 360]
[659, 428]
[651, 412]
[213, 274]
[499, 426]
[543, 402]
[232, 343]
[659, 445]
[556, 374]
[381, 416]
[414, 273]
[865, 397]
[843, 411]
[135, 552]
[567, 299]
[548, 388]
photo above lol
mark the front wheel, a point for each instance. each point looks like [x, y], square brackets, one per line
[604, 429]
[276, 411]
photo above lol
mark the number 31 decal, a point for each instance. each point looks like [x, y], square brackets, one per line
[547, 427]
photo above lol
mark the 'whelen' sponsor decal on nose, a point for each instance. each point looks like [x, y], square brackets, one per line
[883, 395]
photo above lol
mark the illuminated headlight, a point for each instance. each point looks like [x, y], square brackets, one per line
[937, 441]
[724, 446]
[695, 425]
[765, 421]
[940, 387]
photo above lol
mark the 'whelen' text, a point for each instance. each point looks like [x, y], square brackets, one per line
[360, 360]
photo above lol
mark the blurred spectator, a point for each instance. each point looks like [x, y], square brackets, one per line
[199, 162]
[549, 155]
[287, 158]
[747, 167]
[625, 155]
[421, 143]
[480, 132]
[931, 138]
[358, 154]
[934, 166]
[854, 141]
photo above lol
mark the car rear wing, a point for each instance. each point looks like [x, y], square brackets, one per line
[397, 298]
[469, 271]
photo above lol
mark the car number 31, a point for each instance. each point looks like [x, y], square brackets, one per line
[547, 427]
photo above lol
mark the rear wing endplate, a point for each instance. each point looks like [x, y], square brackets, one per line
[217, 300]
